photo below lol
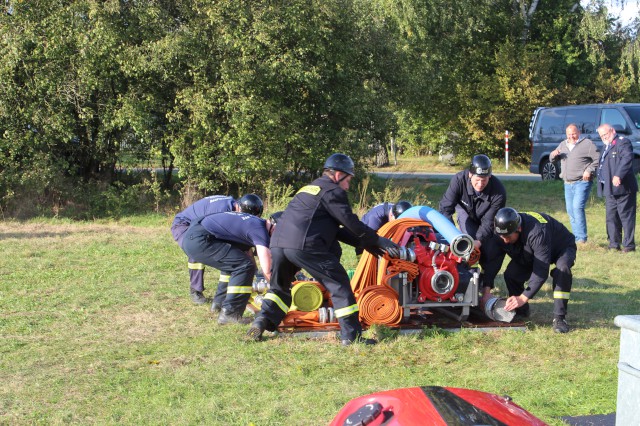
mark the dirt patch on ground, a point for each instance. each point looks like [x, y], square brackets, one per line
[67, 228]
[132, 325]
[41, 230]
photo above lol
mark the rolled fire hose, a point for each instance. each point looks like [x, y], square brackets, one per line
[382, 306]
[461, 244]
[379, 305]
[306, 296]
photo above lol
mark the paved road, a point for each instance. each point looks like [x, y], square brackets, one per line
[448, 176]
[417, 175]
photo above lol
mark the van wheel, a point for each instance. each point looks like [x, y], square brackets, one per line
[549, 170]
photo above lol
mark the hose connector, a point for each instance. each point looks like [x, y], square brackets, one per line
[462, 246]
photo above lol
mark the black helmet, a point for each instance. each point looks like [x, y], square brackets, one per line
[251, 204]
[507, 221]
[340, 162]
[480, 165]
[275, 217]
[400, 207]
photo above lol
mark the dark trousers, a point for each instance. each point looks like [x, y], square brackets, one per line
[196, 270]
[621, 216]
[518, 273]
[200, 246]
[489, 249]
[324, 267]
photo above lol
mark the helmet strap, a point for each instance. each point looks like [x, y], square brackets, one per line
[346, 175]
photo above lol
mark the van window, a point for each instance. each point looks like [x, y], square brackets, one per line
[584, 118]
[634, 113]
[552, 121]
[613, 116]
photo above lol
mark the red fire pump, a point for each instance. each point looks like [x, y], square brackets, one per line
[443, 279]
[438, 278]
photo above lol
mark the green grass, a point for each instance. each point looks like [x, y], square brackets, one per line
[96, 327]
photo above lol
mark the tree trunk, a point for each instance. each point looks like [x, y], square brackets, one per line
[382, 155]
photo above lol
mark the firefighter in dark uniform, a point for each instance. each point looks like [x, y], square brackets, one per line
[382, 214]
[225, 241]
[617, 183]
[534, 241]
[249, 203]
[307, 236]
[475, 195]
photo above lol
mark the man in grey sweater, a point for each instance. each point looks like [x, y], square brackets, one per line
[578, 164]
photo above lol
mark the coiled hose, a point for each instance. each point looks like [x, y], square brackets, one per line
[377, 300]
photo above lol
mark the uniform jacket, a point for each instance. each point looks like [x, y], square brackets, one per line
[201, 208]
[573, 163]
[542, 240]
[377, 216]
[242, 229]
[204, 207]
[617, 161]
[313, 219]
[461, 198]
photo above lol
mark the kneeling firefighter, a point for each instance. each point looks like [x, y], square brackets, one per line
[307, 236]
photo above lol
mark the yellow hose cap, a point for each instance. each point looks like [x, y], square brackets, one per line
[306, 296]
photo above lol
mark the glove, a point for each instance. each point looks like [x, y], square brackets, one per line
[374, 250]
[392, 249]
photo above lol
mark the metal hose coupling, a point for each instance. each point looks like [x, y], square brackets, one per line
[494, 309]
[462, 245]
[260, 285]
[407, 254]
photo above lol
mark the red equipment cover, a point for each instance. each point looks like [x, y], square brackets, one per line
[433, 405]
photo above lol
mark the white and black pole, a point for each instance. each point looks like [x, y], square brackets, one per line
[506, 150]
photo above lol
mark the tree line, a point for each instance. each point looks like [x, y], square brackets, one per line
[242, 94]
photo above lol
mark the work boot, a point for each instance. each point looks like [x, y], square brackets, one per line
[198, 298]
[523, 311]
[228, 316]
[256, 330]
[216, 308]
[560, 325]
[368, 342]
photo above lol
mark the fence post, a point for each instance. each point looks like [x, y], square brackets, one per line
[506, 150]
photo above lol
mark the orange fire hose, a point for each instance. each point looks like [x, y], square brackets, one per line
[305, 319]
[297, 318]
[377, 300]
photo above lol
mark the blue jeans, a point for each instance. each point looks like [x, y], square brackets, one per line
[575, 197]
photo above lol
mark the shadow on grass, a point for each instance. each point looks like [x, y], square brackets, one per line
[31, 235]
[592, 303]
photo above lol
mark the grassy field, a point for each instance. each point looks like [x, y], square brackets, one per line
[96, 327]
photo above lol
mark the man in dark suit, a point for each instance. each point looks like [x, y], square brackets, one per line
[617, 183]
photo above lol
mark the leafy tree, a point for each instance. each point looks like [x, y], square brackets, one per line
[291, 83]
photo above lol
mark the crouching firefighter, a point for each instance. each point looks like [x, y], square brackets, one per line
[534, 241]
[308, 236]
[225, 241]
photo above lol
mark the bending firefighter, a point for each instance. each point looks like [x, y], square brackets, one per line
[307, 236]
[249, 203]
[382, 214]
[225, 241]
